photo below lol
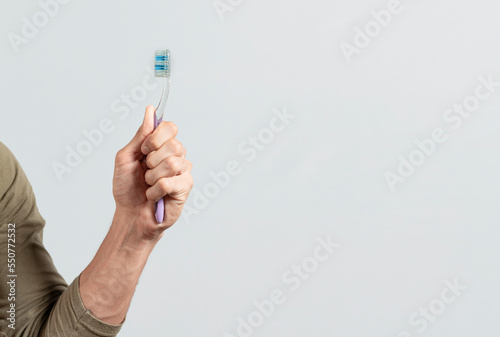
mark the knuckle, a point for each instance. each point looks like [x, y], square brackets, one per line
[119, 155]
[177, 146]
[172, 164]
[170, 161]
[164, 185]
[154, 143]
[172, 127]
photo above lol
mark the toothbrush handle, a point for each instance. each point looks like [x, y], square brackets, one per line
[160, 206]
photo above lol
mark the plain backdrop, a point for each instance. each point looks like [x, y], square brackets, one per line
[323, 174]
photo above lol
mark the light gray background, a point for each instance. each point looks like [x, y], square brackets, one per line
[324, 174]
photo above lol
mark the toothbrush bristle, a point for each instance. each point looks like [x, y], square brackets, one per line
[162, 63]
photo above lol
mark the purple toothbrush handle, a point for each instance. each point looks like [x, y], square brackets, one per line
[160, 206]
[160, 210]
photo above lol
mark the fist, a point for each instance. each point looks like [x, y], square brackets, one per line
[152, 166]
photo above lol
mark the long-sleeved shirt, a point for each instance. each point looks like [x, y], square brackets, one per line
[34, 297]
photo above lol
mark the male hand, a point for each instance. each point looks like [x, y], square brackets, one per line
[150, 167]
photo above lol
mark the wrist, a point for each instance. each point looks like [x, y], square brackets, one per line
[128, 229]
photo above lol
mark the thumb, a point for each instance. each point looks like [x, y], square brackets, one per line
[145, 130]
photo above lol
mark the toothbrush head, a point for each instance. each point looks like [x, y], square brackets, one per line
[162, 63]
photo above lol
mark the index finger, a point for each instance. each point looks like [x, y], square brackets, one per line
[164, 132]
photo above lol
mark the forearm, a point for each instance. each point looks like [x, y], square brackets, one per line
[109, 281]
[151, 166]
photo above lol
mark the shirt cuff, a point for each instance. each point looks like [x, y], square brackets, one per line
[87, 320]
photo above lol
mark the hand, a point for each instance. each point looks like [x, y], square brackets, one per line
[150, 167]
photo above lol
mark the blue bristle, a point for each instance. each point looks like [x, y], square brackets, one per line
[162, 63]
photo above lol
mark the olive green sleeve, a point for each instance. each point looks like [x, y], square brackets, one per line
[45, 306]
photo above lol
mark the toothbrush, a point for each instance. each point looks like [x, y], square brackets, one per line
[162, 69]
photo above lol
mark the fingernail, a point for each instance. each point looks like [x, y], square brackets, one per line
[145, 149]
